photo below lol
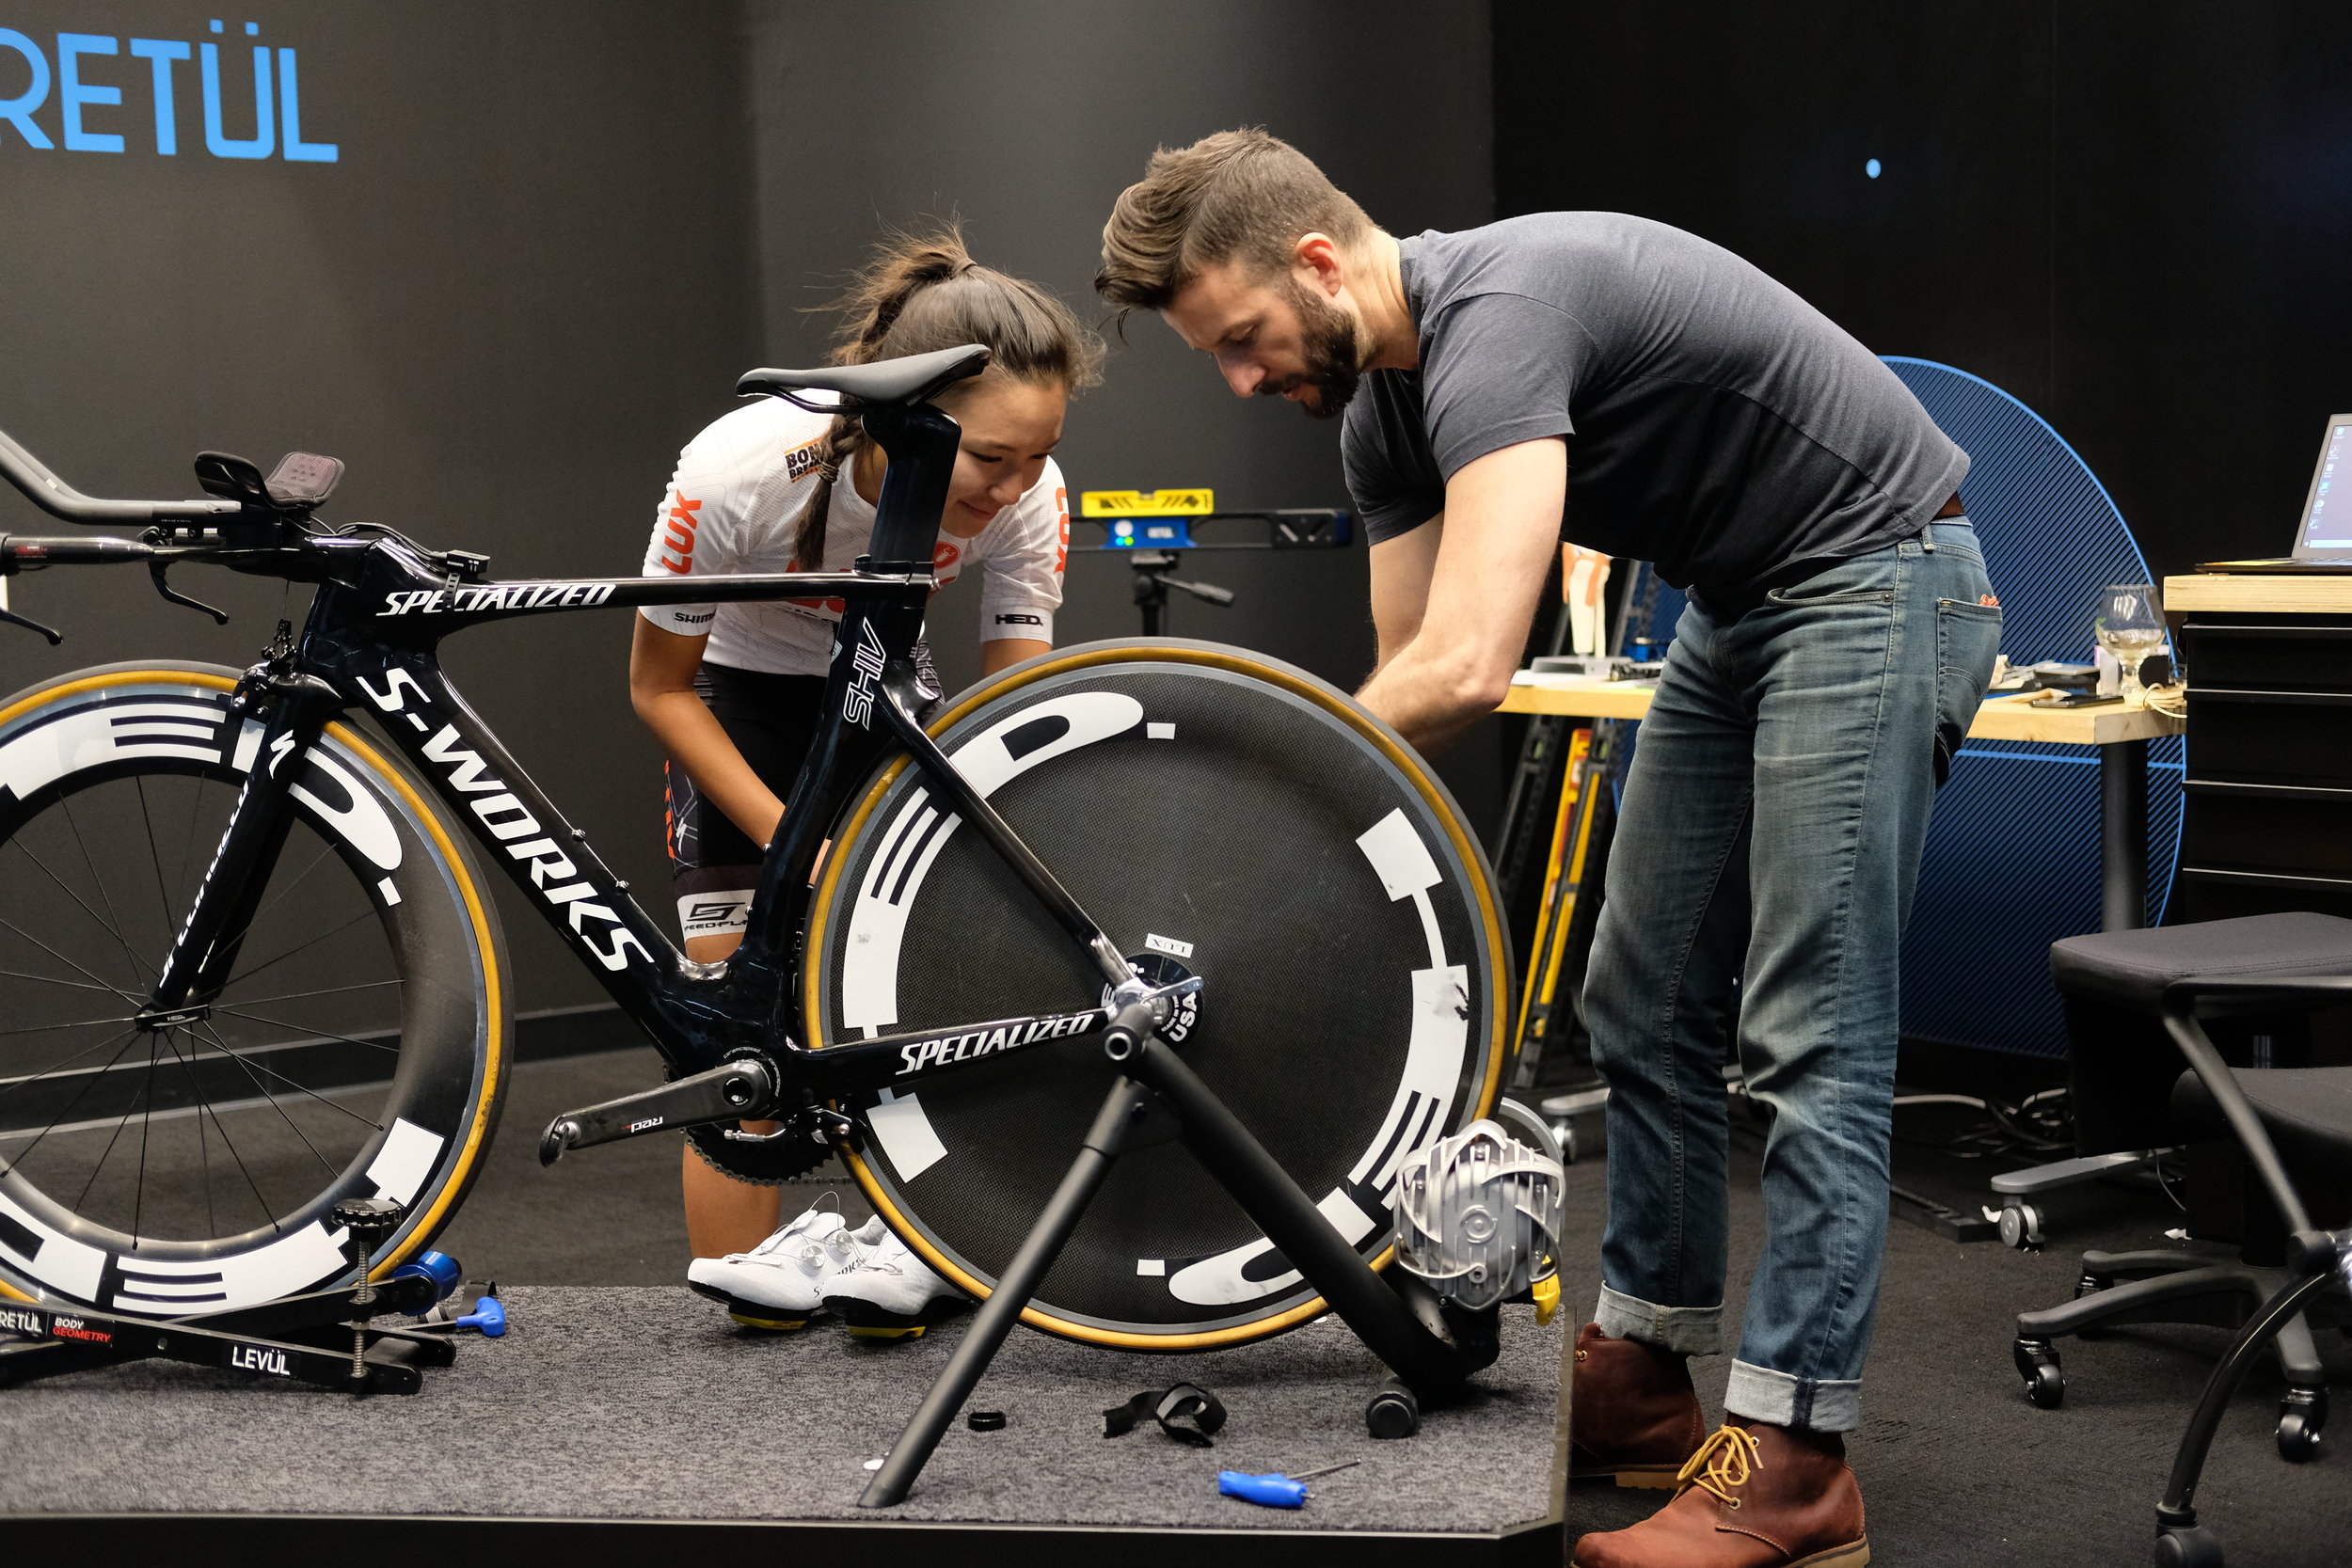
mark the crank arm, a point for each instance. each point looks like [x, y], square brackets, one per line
[727, 1093]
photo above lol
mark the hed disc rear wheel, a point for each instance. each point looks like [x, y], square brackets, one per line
[1215, 809]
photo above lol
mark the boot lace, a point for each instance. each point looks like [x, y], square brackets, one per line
[1723, 1462]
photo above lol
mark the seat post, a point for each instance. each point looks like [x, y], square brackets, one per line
[920, 440]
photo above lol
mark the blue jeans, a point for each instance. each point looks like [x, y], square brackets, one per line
[1764, 862]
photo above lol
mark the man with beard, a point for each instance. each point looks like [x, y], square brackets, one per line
[1838, 639]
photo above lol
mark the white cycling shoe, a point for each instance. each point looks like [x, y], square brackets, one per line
[781, 1283]
[890, 1293]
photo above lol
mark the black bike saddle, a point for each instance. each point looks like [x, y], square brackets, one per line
[885, 381]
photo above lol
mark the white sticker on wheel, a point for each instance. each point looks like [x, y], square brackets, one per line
[403, 1165]
[919, 831]
[905, 1134]
[108, 732]
[358, 819]
[1439, 1037]
[189, 729]
[56, 1261]
[1221, 1280]
[1432, 1067]
[290, 1265]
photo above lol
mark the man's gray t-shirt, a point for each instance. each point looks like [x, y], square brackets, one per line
[1717, 424]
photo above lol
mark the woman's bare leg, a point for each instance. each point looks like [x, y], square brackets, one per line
[723, 1214]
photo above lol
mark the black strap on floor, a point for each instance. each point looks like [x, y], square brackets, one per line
[1188, 1413]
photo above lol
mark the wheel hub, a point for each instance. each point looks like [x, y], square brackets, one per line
[1159, 969]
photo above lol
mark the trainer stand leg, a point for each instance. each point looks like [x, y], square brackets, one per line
[1420, 1347]
[1123, 1111]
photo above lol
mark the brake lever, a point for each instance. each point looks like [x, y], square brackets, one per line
[15, 620]
[156, 568]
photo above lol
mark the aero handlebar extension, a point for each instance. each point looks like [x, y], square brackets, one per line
[20, 553]
[60, 499]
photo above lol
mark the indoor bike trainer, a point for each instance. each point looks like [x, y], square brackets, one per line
[1382, 979]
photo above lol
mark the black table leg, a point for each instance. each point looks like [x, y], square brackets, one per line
[2123, 835]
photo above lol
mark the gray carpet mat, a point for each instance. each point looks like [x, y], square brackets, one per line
[645, 1403]
[1957, 1469]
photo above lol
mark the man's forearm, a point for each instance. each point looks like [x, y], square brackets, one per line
[1428, 700]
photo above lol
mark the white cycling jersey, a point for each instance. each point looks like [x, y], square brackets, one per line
[734, 506]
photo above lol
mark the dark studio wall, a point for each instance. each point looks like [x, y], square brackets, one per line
[553, 234]
[522, 279]
[2130, 216]
[1026, 118]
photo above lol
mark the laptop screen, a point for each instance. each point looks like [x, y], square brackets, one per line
[2327, 531]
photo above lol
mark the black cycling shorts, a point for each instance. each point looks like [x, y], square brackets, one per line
[714, 866]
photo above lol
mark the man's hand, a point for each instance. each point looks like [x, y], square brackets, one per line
[1453, 618]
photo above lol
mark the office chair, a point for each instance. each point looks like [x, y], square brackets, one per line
[2284, 1120]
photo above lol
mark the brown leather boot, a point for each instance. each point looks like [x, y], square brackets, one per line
[1754, 1495]
[1632, 1414]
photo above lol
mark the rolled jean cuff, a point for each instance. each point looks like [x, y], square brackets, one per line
[1691, 1330]
[1762, 1395]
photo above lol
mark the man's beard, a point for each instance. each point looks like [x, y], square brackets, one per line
[1334, 365]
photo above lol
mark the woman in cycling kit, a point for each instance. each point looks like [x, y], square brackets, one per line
[732, 690]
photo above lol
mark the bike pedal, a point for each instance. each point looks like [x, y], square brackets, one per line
[912, 1331]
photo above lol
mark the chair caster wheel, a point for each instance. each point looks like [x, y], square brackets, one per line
[2037, 1364]
[1566, 1133]
[2298, 1433]
[2192, 1546]
[2020, 1227]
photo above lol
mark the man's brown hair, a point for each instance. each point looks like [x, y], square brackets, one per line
[1238, 196]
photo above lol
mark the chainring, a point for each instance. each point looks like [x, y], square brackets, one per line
[802, 1149]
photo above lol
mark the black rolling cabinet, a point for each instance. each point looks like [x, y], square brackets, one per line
[2269, 823]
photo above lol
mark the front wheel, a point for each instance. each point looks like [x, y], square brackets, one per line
[358, 1049]
[1220, 813]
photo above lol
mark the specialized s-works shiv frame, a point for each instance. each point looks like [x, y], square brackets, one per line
[369, 641]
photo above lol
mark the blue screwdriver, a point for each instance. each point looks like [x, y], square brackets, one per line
[1273, 1491]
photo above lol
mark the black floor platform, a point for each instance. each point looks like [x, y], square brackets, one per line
[1957, 1469]
[643, 1405]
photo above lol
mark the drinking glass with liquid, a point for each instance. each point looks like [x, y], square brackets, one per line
[2128, 621]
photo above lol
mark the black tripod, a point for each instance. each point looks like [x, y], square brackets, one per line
[1152, 582]
[1432, 1346]
[1153, 551]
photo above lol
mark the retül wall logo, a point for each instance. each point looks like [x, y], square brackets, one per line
[264, 100]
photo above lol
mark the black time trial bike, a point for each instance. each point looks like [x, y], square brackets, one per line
[251, 966]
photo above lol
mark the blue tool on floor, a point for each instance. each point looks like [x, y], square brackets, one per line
[1273, 1491]
[488, 1315]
